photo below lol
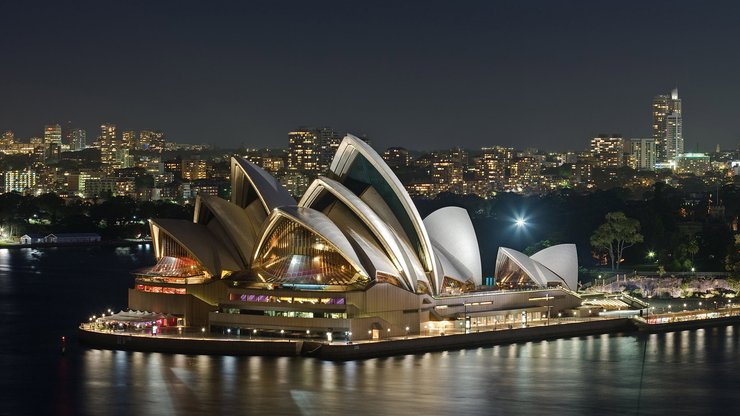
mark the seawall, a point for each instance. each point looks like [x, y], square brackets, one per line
[343, 351]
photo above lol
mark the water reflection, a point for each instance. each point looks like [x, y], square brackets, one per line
[691, 372]
[599, 374]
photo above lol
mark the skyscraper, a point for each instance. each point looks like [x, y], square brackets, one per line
[108, 143]
[664, 105]
[673, 136]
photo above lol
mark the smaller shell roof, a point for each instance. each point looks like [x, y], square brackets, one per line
[241, 228]
[212, 254]
[562, 259]
[270, 191]
[537, 272]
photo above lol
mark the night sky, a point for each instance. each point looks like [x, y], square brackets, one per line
[423, 75]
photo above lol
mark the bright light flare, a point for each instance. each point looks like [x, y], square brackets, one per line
[521, 222]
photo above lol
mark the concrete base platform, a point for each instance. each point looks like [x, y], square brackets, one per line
[344, 351]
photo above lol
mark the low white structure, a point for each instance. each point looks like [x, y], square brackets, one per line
[553, 266]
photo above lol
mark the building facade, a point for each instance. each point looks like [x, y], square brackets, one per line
[608, 151]
[642, 154]
[352, 256]
[663, 106]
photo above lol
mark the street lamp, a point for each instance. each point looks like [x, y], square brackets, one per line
[407, 331]
[520, 222]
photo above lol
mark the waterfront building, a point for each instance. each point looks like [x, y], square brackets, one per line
[352, 256]
[554, 266]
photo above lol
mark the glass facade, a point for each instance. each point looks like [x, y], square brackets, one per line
[285, 299]
[291, 253]
[176, 267]
[161, 289]
[511, 276]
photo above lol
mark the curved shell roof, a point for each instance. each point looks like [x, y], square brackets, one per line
[241, 229]
[452, 234]
[269, 190]
[562, 259]
[395, 247]
[536, 270]
[406, 212]
[211, 253]
[320, 224]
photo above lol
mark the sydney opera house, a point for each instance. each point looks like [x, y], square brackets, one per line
[352, 258]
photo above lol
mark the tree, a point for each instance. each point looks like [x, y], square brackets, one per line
[615, 235]
[538, 246]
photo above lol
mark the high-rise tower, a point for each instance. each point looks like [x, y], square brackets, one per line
[663, 106]
[108, 144]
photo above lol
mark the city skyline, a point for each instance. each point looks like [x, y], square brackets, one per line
[541, 75]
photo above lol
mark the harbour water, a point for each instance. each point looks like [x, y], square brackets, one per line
[45, 293]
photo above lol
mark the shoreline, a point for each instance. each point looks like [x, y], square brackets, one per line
[340, 351]
[106, 243]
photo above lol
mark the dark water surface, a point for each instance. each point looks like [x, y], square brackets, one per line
[45, 293]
